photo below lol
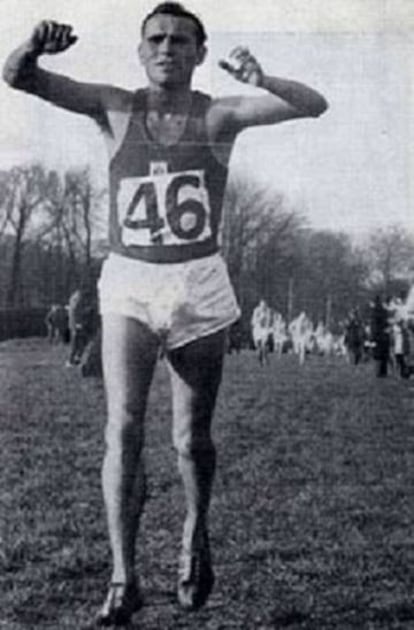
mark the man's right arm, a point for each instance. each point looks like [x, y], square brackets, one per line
[21, 71]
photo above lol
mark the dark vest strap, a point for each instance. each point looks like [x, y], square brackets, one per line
[170, 253]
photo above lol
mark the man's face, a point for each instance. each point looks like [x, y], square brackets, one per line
[169, 50]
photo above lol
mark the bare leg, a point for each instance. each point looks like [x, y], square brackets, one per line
[261, 353]
[302, 352]
[129, 353]
[196, 371]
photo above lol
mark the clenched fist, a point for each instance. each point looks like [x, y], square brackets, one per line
[51, 37]
[243, 66]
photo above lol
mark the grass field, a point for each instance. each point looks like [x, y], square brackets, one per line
[312, 521]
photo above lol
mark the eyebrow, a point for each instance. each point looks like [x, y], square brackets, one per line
[178, 37]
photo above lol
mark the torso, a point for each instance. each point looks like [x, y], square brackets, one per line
[168, 173]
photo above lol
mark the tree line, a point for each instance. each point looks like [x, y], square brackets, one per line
[52, 233]
[272, 253]
[50, 227]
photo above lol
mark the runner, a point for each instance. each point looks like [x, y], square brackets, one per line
[164, 282]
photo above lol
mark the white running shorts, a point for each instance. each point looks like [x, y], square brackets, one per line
[180, 302]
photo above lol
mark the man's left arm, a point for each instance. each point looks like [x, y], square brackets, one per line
[285, 99]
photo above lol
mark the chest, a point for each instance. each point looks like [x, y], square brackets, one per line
[166, 129]
[181, 141]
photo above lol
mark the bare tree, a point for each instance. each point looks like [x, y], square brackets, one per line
[72, 223]
[391, 256]
[60, 218]
[336, 276]
[58, 240]
[257, 229]
[22, 192]
[83, 204]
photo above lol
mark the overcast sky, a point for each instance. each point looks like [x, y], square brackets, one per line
[349, 169]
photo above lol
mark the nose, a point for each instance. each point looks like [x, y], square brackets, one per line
[166, 45]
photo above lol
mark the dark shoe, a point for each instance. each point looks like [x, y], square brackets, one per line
[122, 601]
[195, 577]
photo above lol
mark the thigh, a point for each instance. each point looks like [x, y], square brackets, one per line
[195, 371]
[129, 355]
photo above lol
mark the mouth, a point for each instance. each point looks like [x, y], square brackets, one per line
[165, 64]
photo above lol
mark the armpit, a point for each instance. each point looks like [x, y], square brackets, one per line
[116, 128]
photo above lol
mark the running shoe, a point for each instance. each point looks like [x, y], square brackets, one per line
[122, 601]
[195, 577]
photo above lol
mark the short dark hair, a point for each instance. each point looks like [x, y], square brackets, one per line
[177, 9]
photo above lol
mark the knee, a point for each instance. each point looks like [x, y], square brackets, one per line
[123, 432]
[190, 443]
[182, 444]
[124, 406]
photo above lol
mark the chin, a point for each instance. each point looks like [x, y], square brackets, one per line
[160, 79]
[168, 81]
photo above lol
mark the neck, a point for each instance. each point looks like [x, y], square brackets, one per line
[171, 99]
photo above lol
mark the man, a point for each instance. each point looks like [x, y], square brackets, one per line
[164, 283]
[83, 321]
[261, 329]
[301, 331]
[380, 336]
[77, 336]
[56, 322]
[400, 343]
[354, 337]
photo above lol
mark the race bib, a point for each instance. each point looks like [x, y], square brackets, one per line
[164, 208]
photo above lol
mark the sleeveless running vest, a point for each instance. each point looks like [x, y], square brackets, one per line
[166, 201]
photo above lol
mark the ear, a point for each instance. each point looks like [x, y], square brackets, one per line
[201, 54]
[139, 51]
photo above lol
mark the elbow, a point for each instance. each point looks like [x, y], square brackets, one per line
[14, 79]
[319, 108]
[19, 68]
[10, 75]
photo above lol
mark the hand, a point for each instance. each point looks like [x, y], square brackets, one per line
[243, 66]
[51, 38]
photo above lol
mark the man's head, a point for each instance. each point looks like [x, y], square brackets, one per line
[172, 44]
[176, 9]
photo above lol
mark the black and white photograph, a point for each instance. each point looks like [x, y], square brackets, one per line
[207, 315]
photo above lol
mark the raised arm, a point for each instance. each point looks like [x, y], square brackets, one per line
[21, 71]
[284, 100]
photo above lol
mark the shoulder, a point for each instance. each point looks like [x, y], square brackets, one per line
[116, 99]
[232, 114]
[219, 115]
[221, 108]
[117, 105]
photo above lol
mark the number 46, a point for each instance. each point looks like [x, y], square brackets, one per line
[186, 219]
